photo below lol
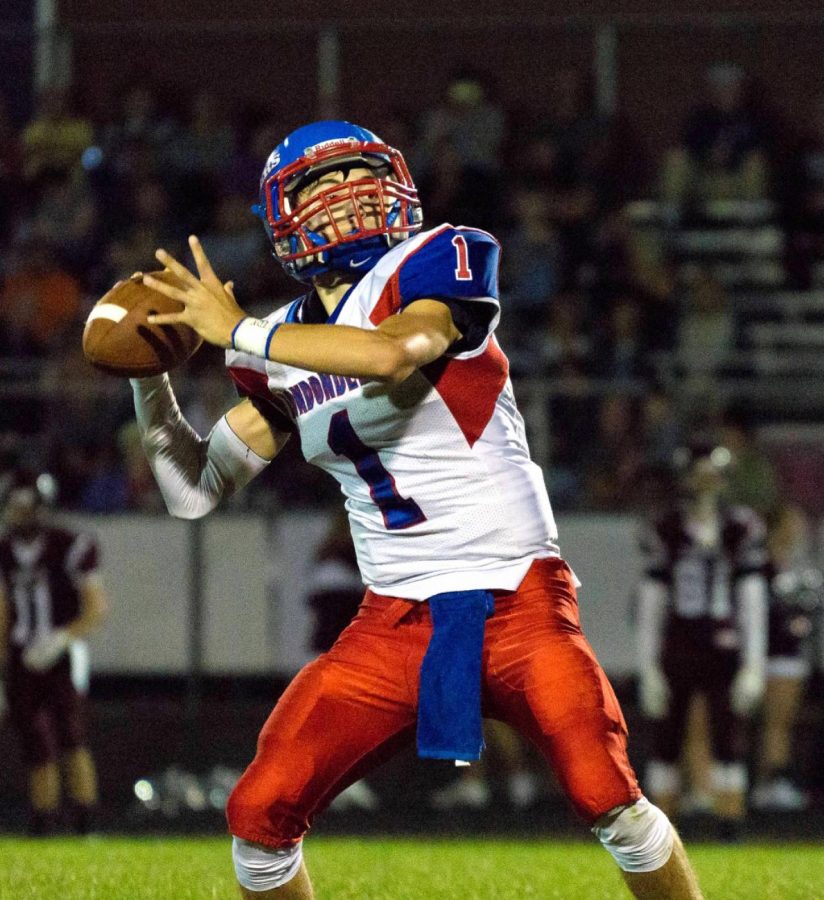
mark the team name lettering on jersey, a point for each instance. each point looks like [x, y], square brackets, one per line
[316, 390]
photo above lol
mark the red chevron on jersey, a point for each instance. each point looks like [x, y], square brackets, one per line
[470, 387]
[250, 382]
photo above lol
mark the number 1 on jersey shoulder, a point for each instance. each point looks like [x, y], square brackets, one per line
[462, 270]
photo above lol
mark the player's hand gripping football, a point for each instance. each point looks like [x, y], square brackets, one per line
[209, 304]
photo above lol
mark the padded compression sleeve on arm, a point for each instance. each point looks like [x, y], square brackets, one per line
[652, 601]
[193, 473]
[752, 618]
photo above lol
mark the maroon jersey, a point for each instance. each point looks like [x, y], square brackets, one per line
[702, 635]
[41, 578]
[700, 579]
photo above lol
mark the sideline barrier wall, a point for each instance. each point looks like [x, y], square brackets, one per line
[251, 603]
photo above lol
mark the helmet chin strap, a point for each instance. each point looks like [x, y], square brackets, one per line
[353, 259]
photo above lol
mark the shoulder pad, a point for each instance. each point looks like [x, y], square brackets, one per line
[453, 263]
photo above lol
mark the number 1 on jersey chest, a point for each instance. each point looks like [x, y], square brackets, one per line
[398, 512]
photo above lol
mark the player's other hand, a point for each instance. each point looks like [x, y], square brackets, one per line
[654, 693]
[747, 690]
[209, 304]
[43, 653]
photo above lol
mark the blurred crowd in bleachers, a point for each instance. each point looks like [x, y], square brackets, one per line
[650, 292]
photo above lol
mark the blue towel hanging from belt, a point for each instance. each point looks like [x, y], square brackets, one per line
[449, 700]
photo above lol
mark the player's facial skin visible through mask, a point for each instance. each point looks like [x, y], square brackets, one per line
[705, 481]
[333, 285]
[345, 216]
[21, 514]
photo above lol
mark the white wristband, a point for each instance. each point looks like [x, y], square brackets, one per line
[254, 336]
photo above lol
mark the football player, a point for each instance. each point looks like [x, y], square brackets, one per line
[50, 595]
[796, 595]
[702, 624]
[389, 371]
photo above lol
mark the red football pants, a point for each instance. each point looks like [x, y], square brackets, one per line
[354, 706]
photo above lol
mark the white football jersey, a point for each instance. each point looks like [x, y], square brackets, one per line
[440, 490]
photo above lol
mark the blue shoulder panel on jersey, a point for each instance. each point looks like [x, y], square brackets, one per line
[455, 263]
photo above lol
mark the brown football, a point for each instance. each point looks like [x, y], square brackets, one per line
[119, 340]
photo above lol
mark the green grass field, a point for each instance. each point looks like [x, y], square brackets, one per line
[110, 868]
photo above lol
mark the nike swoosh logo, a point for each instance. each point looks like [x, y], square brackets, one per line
[357, 265]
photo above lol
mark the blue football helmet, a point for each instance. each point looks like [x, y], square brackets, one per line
[349, 225]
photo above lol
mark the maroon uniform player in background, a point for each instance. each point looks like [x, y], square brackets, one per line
[796, 604]
[50, 595]
[702, 623]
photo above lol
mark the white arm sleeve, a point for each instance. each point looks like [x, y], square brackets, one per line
[652, 602]
[752, 619]
[193, 473]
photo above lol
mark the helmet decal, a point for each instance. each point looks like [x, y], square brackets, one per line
[271, 163]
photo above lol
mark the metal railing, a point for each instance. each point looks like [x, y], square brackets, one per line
[776, 393]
